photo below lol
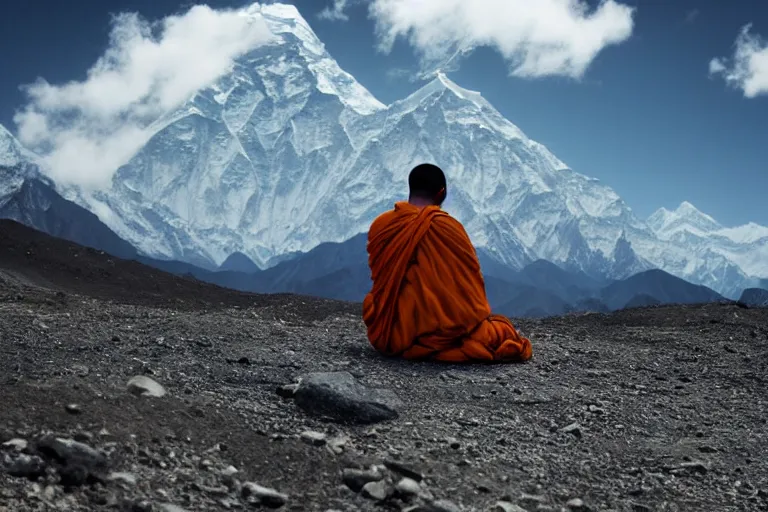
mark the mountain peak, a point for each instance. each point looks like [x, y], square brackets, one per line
[285, 11]
[479, 112]
[12, 153]
[688, 210]
[282, 18]
[747, 234]
[441, 80]
[686, 218]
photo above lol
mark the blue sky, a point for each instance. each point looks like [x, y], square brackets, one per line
[646, 118]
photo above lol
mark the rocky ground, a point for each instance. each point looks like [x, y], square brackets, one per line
[642, 410]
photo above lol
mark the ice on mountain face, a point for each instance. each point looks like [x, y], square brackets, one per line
[17, 164]
[12, 153]
[698, 234]
[685, 219]
[331, 79]
[746, 234]
[288, 151]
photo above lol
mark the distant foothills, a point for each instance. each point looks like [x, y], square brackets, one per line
[339, 270]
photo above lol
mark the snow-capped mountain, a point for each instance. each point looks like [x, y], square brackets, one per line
[12, 153]
[17, 164]
[29, 197]
[287, 151]
[685, 219]
[745, 248]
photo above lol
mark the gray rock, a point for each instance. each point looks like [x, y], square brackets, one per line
[27, 466]
[404, 470]
[73, 409]
[141, 506]
[260, 495]
[576, 504]
[532, 500]
[144, 386]
[378, 491]
[170, 507]
[287, 391]
[573, 429]
[229, 476]
[408, 487]
[337, 445]
[122, 477]
[356, 479]
[442, 506]
[505, 506]
[313, 438]
[339, 396]
[16, 444]
[688, 468]
[77, 461]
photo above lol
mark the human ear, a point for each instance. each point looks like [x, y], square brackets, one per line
[441, 196]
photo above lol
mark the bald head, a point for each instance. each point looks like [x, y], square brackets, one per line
[427, 184]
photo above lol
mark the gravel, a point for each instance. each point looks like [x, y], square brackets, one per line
[638, 410]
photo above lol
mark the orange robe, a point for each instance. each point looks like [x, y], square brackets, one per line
[428, 298]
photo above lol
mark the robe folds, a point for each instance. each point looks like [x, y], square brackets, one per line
[428, 297]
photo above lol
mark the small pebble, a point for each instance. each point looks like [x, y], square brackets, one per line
[141, 506]
[16, 444]
[313, 438]
[126, 478]
[573, 429]
[73, 409]
[408, 487]
[260, 495]
[356, 478]
[575, 504]
[337, 445]
[170, 507]
[453, 443]
[404, 470]
[144, 386]
[378, 491]
[442, 506]
[287, 391]
[505, 506]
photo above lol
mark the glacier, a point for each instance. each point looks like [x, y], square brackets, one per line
[287, 151]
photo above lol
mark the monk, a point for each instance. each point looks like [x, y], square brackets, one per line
[428, 298]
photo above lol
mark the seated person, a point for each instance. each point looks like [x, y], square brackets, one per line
[428, 298]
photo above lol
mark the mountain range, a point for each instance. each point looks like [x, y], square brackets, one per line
[281, 164]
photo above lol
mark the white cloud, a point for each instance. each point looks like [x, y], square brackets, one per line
[747, 69]
[336, 12]
[716, 66]
[85, 130]
[538, 38]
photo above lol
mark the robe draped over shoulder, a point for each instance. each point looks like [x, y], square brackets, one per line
[428, 298]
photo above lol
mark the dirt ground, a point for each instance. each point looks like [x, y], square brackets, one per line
[642, 410]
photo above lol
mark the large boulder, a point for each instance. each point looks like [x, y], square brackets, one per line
[340, 397]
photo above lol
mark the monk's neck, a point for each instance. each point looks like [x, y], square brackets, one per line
[420, 203]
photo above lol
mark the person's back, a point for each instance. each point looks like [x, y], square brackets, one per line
[428, 298]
